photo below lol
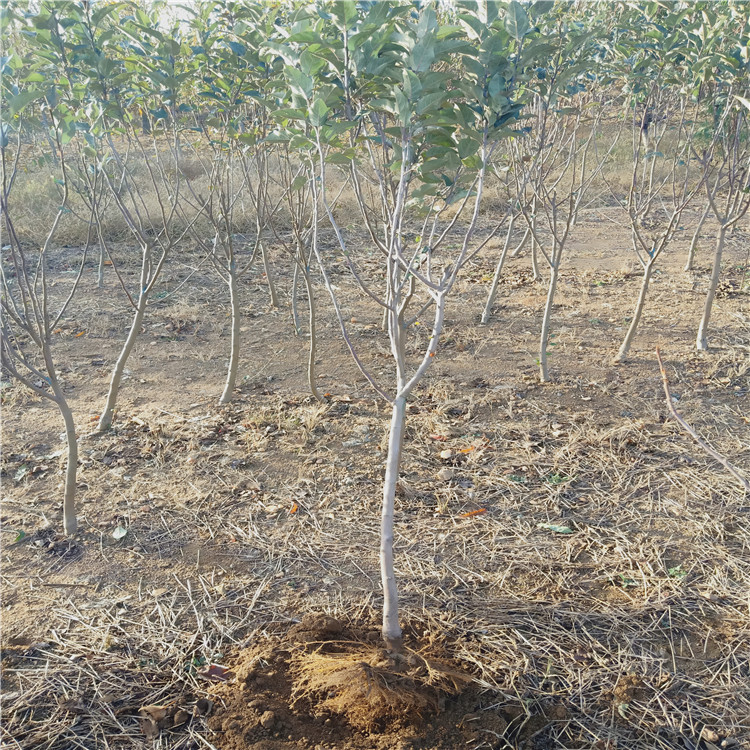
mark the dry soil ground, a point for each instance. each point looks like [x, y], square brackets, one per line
[565, 547]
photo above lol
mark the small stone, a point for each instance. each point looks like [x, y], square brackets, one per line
[445, 474]
[446, 454]
[268, 719]
[709, 735]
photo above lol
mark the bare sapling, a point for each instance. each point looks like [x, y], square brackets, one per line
[157, 232]
[230, 152]
[557, 182]
[145, 179]
[728, 195]
[295, 180]
[680, 176]
[31, 311]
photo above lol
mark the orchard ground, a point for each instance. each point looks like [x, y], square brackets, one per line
[565, 545]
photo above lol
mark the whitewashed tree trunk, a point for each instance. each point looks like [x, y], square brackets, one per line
[234, 347]
[391, 627]
[546, 320]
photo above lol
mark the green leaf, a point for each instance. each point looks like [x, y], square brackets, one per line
[541, 7]
[310, 63]
[318, 111]
[339, 158]
[445, 31]
[345, 12]
[239, 49]
[288, 114]
[473, 25]
[299, 82]
[473, 162]
[20, 536]
[517, 21]
[555, 527]
[428, 101]
[423, 54]
[403, 107]
[19, 101]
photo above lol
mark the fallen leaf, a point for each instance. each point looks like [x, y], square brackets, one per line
[555, 527]
[215, 673]
[180, 717]
[295, 508]
[155, 718]
[203, 707]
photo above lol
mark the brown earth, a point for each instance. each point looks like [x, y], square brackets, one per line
[565, 545]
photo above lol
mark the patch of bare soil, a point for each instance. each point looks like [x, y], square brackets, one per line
[325, 685]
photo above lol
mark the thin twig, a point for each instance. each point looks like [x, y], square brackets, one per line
[685, 426]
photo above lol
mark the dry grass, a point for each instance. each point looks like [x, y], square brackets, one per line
[609, 572]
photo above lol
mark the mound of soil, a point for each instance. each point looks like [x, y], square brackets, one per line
[324, 685]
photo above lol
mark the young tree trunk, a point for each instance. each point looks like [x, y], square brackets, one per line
[535, 248]
[701, 342]
[295, 310]
[391, 627]
[313, 337]
[498, 270]
[544, 338]
[694, 241]
[522, 244]
[234, 350]
[269, 277]
[100, 270]
[622, 354]
[70, 522]
[105, 420]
